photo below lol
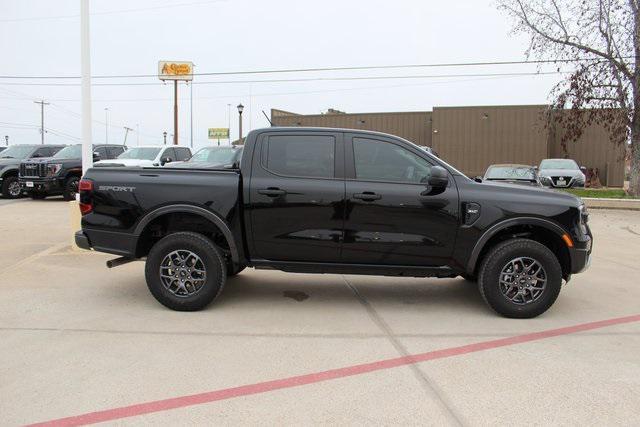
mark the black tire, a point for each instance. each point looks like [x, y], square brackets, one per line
[209, 255]
[38, 196]
[234, 273]
[70, 188]
[498, 258]
[9, 188]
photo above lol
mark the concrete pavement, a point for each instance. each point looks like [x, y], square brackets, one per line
[76, 338]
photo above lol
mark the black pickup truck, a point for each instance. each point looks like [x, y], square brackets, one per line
[60, 174]
[320, 200]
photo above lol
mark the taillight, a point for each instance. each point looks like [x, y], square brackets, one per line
[85, 189]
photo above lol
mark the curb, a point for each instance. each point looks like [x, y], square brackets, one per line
[626, 204]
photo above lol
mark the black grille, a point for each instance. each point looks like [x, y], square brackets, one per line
[33, 170]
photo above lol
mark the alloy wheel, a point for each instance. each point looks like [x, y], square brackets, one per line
[523, 280]
[183, 273]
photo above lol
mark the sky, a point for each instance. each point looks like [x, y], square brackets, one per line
[42, 38]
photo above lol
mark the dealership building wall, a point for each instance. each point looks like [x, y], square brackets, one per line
[472, 138]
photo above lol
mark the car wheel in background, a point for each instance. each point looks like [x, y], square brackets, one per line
[71, 188]
[11, 187]
[185, 271]
[520, 278]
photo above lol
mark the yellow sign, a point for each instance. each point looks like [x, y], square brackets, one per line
[175, 70]
[218, 133]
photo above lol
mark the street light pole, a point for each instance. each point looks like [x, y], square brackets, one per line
[164, 134]
[240, 108]
[85, 61]
[6, 140]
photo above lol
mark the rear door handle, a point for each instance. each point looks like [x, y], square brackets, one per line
[367, 196]
[272, 192]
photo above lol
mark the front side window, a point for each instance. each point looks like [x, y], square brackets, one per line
[382, 161]
[511, 172]
[113, 152]
[182, 153]
[16, 152]
[311, 156]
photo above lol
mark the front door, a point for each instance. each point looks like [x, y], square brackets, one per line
[392, 216]
[296, 196]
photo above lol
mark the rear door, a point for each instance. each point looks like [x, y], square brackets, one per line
[296, 196]
[392, 216]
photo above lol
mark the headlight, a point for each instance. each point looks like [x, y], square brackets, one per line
[584, 218]
[53, 169]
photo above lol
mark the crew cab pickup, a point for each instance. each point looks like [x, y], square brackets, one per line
[321, 200]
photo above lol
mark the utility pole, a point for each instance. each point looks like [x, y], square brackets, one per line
[191, 114]
[164, 135]
[6, 140]
[42, 104]
[229, 125]
[126, 132]
[175, 112]
[106, 125]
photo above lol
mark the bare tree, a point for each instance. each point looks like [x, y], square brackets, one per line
[602, 39]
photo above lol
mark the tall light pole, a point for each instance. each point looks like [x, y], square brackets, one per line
[6, 140]
[164, 135]
[191, 113]
[106, 125]
[240, 108]
[126, 132]
[85, 56]
[42, 104]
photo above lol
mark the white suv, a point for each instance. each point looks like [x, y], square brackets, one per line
[150, 155]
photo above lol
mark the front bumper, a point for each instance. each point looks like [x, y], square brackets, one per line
[41, 185]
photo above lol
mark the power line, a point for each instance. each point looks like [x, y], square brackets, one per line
[321, 69]
[310, 79]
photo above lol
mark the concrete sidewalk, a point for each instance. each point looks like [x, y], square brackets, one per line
[76, 338]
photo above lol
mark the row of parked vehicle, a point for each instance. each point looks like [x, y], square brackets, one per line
[554, 173]
[46, 170]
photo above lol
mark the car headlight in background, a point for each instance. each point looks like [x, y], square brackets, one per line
[53, 169]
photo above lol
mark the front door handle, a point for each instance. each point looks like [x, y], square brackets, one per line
[367, 196]
[272, 192]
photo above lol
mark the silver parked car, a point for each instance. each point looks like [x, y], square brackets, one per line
[560, 173]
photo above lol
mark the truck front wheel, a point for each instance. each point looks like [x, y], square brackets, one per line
[520, 278]
[185, 271]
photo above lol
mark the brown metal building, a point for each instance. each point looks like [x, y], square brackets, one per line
[472, 138]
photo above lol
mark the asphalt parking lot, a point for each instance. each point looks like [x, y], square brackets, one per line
[78, 340]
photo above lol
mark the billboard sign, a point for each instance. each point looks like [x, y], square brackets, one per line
[218, 133]
[175, 70]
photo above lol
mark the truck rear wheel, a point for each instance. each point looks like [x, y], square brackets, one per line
[520, 278]
[185, 271]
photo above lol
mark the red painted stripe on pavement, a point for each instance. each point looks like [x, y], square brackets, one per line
[263, 387]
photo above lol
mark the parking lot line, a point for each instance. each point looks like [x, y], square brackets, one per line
[267, 386]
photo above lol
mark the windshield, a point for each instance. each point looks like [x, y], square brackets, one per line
[16, 152]
[140, 153]
[559, 164]
[70, 152]
[219, 156]
[511, 172]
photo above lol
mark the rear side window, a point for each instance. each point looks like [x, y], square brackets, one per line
[310, 156]
[102, 152]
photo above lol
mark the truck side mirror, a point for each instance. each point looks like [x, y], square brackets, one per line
[439, 177]
[166, 160]
[478, 179]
